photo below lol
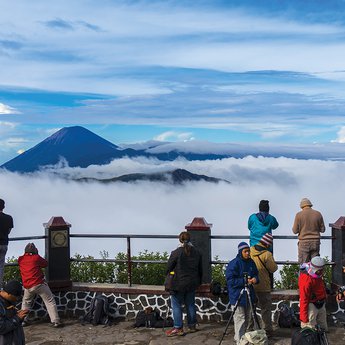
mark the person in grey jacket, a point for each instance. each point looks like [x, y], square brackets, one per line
[11, 330]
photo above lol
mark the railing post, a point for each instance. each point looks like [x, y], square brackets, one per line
[57, 247]
[129, 262]
[338, 251]
[200, 232]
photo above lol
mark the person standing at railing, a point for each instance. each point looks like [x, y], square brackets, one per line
[6, 225]
[30, 266]
[308, 225]
[261, 223]
[185, 263]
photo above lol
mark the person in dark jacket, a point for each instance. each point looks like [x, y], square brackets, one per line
[261, 223]
[185, 263]
[11, 330]
[6, 225]
[341, 292]
[235, 278]
[30, 266]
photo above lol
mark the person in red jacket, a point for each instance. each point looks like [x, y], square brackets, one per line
[30, 266]
[312, 294]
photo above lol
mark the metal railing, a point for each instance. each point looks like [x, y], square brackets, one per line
[129, 237]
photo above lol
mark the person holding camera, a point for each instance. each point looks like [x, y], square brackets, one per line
[266, 265]
[261, 223]
[186, 266]
[30, 266]
[312, 294]
[241, 272]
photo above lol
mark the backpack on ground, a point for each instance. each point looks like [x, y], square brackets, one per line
[309, 336]
[98, 311]
[150, 318]
[287, 317]
[257, 337]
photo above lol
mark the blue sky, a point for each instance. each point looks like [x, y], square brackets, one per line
[221, 71]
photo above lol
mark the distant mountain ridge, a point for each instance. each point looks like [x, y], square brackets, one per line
[177, 176]
[82, 148]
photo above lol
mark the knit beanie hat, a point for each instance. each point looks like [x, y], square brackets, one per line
[305, 202]
[317, 263]
[267, 239]
[14, 288]
[264, 206]
[242, 246]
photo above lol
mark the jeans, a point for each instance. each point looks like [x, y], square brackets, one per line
[188, 299]
[48, 299]
[3, 251]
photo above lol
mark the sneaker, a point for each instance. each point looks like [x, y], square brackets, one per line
[174, 331]
[57, 324]
[25, 323]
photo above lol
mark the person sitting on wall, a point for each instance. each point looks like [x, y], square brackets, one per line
[11, 330]
[312, 294]
[261, 223]
[237, 271]
[30, 266]
[266, 265]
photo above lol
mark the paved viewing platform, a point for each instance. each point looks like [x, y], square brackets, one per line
[123, 333]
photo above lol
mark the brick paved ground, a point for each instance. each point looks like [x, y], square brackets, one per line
[41, 333]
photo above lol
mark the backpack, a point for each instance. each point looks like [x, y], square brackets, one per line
[216, 288]
[98, 311]
[287, 317]
[309, 336]
[150, 318]
[257, 337]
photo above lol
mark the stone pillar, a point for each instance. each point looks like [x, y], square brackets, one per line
[200, 233]
[57, 246]
[338, 251]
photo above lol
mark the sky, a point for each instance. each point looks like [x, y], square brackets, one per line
[161, 208]
[246, 71]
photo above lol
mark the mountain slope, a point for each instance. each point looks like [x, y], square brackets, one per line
[77, 145]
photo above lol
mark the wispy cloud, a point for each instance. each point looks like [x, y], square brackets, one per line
[172, 135]
[6, 109]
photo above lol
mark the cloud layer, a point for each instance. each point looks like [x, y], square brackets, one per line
[153, 208]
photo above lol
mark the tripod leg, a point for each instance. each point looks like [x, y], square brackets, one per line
[252, 310]
[231, 316]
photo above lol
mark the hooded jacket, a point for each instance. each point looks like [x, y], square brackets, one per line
[235, 278]
[259, 224]
[265, 266]
[30, 266]
[11, 330]
[311, 290]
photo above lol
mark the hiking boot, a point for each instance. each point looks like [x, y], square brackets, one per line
[191, 329]
[174, 332]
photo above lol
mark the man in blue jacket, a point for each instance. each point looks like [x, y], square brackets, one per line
[235, 277]
[261, 223]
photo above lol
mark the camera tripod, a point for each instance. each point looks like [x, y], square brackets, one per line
[245, 291]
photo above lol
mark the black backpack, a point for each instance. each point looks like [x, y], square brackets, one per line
[98, 311]
[151, 319]
[287, 317]
[309, 336]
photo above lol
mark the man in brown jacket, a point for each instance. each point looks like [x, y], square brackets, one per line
[308, 225]
[266, 265]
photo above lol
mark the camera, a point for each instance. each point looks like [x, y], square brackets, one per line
[245, 276]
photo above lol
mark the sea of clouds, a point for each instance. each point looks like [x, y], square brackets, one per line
[162, 208]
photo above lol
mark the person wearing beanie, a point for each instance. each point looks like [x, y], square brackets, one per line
[261, 223]
[30, 266]
[312, 294]
[11, 318]
[6, 225]
[308, 224]
[235, 278]
[264, 261]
